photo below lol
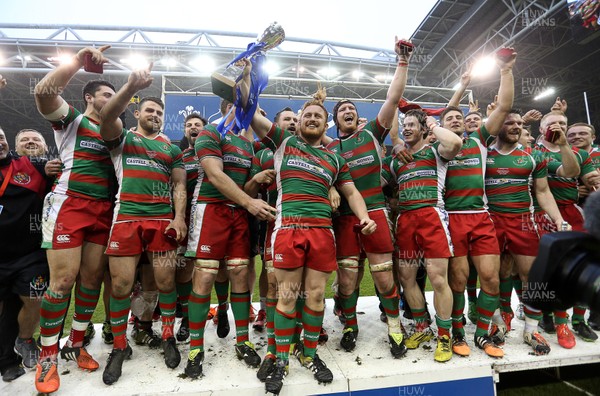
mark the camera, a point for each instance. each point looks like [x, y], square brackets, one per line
[565, 273]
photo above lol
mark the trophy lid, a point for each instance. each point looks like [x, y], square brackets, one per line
[272, 36]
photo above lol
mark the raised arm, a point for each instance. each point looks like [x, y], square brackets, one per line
[47, 91]
[450, 143]
[396, 89]
[506, 94]
[569, 165]
[465, 80]
[111, 125]
[260, 124]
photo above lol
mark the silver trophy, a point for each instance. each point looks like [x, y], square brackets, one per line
[223, 82]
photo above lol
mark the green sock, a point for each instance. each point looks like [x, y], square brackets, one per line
[443, 326]
[298, 329]
[85, 305]
[389, 301]
[119, 312]
[505, 294]
[271, 345]
[183, 293]
[52, 311]
[167, 301]
[458, 308]
[285, 322]
[199, 306]
[312, 322]
[240, 305]
[486, 305]
[222, 290]
[348, 304]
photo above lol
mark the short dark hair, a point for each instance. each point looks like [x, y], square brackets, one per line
[421, 117]
[276, 118]
[474, 112]
[515, 110]
[94, 85]
[448, 110]
[151, 99]
[195, 115]
[583, 124]
[223, 106]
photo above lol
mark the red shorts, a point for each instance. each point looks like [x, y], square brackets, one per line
[351, 243]
[68, 221]
[268, 247]
[517, 234]
[128, 238]
[573, 215]
[301, 247]
[473, 234]
[423, 233]
[218, 231]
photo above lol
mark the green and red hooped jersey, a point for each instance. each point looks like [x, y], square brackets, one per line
[466, 173]
[263, 160]
[420, 183]
[595, 157]
[143, 168]
[191, 165]
[304, 176]
[235, 151]
[363, 154]
[87, 167]
[509, 179]
[565, 189]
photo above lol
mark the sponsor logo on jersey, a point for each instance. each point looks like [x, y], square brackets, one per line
[347, 154]
[495, 182]
[298, 163]
[503, 171]
[412, 175]
[466, 162]
[22, 178]
[151, 154]
[144, 162]
[411, 165]
[361, 161]
[190, 166]
[490, 161]
[205, 248]
[229, 158]
[63, 238]
[114, 245]
[278, 257]
[90, 144]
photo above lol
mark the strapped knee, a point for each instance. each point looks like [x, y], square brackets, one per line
[381, 267]
[237, 263]
[349, 264]
[210, 266]
[269, 266]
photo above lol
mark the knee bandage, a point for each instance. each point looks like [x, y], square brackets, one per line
[349, 264]
[237, 263]
[210, 266]
[381, 267]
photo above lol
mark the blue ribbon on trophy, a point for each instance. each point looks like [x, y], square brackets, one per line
[225, 84]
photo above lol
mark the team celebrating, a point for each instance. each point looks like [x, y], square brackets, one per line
[458, 200]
